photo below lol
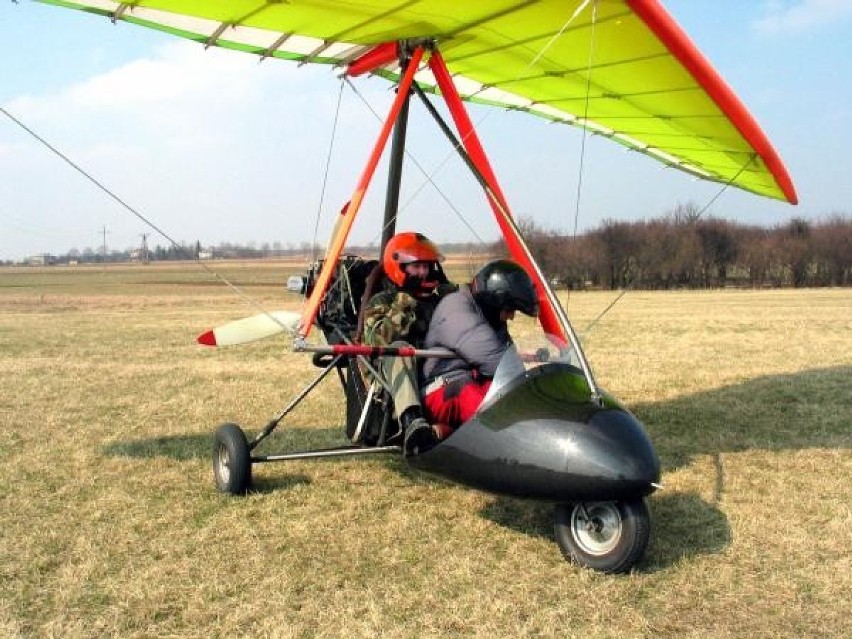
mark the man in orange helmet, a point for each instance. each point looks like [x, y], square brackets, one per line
[399, 315]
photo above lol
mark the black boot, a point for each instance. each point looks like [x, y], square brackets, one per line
[418, 433]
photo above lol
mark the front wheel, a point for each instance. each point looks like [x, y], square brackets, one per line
[231, 460]
[608, 536]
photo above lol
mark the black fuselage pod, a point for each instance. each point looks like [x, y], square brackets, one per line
[541, 437]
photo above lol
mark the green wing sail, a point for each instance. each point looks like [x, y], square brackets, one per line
[622, 69]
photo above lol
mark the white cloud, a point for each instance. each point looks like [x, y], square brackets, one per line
[188, 137]
[176, 73]
[783, 17]
[179, 71]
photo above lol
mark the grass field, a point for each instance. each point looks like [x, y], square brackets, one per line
[110, 525]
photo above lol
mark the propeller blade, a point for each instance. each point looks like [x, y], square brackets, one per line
[250, 329]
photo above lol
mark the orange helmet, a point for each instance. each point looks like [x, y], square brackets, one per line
[405, 248]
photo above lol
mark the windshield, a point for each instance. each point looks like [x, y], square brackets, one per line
[531, 349]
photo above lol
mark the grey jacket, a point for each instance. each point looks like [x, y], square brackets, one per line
[459, 324]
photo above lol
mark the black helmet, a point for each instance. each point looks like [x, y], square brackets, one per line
[504, 285]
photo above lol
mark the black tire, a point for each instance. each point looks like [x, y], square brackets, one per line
[608, 536]
[231, 460]
[356, 395]
[357, 390]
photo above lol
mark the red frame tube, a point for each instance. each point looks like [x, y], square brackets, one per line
[548, 316]
[347, 215]
[551, 314]
[376, 57]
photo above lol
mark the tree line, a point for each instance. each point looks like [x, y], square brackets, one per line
[685, 250]
[681, 249]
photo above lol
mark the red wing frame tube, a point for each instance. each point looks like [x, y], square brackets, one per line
[517, 248]
[553, 319]
[377, 56]
[347, 215]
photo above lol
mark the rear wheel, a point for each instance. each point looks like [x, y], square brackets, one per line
[608, 536]
[231, 460]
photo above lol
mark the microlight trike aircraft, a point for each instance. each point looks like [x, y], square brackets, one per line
[621, 69]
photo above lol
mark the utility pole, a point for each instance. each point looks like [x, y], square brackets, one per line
[143, 250]
[104, 231]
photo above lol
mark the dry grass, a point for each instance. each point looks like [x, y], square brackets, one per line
[109, 524]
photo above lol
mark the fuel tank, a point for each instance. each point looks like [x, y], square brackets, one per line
[541, 437]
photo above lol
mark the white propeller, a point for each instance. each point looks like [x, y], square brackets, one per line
[250, 329]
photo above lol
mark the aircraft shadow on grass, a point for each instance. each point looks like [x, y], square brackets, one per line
[779, 412]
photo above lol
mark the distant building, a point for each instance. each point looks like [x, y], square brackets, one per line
[45, 259]
[140, 255]
[206, 254]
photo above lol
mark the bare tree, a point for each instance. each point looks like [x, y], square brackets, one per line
[832, 244]
[615, 249]
[718, 250]
[795, 249]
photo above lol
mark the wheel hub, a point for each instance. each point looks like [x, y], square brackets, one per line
[224, 464]
[596, 527]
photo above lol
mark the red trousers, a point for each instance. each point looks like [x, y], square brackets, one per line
[454, 406]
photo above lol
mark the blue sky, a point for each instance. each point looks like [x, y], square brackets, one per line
[213, 146]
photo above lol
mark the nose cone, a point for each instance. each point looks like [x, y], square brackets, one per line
[555, 446]
[613, 451]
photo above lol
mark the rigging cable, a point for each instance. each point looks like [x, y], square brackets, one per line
[725, 185]
[427, 175]
[629, 286]
[141, 217]
[326, 173]
[585, 116]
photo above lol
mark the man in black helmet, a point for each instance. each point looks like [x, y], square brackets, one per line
[473, 323]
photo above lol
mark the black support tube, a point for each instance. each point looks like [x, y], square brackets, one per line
[397, 154]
